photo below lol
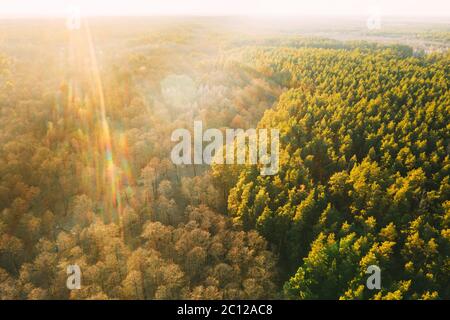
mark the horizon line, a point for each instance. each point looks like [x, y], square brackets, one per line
[195, 15]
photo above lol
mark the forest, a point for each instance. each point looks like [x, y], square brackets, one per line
[86, 117]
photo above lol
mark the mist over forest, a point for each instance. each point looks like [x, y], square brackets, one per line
[86, 178]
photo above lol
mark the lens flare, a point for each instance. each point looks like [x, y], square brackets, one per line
[106, 169]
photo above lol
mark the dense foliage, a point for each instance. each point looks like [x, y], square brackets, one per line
[86, 118]
[86, 176]
[364, 177]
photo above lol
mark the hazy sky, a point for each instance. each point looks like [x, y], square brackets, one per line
[226, 7]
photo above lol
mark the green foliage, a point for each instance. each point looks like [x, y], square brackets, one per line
[363, 175]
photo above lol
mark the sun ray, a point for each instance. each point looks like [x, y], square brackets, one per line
[106, 149]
